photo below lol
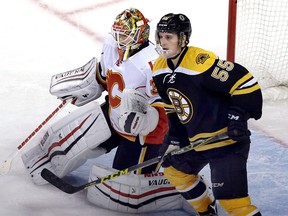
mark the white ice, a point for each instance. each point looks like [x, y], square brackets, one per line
[41, 38]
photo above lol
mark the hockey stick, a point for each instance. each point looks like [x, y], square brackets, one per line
[6, 165]
[70, 189]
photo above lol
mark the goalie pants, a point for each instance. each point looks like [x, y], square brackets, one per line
[128, 153]
[227, 164]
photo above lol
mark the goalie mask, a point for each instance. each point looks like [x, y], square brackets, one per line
[130, 30]
[177, 24]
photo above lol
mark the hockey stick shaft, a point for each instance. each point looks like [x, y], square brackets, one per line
[5, 166]
[70, 189]
[40, 126]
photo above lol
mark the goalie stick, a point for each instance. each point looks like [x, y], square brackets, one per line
[70, 189]
[6, 164]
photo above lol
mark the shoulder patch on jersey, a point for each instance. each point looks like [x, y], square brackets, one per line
[201, 58]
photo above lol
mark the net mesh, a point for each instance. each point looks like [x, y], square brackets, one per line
[262, 43]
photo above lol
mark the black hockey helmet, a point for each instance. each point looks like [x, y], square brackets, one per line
[175, 23]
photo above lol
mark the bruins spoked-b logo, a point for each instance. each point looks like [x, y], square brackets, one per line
[201, 58]
[182, 105]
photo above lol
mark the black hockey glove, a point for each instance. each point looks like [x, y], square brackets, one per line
[237, 124]
[170, 144]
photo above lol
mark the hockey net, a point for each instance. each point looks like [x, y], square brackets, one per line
[258, 39]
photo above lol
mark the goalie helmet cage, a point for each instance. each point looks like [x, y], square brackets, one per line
[258, 39]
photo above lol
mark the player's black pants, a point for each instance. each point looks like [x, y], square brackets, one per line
[228, 168]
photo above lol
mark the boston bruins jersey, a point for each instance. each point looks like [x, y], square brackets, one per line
[198, 92]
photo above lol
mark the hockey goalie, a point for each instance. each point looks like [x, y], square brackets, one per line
[130, 120]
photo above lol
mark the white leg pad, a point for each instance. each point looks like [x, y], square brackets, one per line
[133, 193]
[68, 143]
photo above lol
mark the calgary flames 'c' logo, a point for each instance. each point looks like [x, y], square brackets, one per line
[182, 105]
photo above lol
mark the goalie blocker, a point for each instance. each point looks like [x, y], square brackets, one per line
[79, 84]
[68, 143]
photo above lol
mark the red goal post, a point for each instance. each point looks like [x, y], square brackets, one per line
[258, 39]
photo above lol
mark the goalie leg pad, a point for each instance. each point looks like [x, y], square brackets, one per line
[30, 160]
[69, 143]
[133, 193]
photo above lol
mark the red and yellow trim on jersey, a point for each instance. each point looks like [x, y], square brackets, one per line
[99, 78]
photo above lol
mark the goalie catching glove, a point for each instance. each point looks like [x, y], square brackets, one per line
[79, 84]
[137, 116]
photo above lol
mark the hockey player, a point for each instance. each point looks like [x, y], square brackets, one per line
[130, 119]
[205, 96]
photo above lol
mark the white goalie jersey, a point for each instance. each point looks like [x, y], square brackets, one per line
[133, 73]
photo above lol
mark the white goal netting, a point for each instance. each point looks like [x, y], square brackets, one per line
[262, 43]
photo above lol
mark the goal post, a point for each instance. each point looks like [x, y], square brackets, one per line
[258, 39]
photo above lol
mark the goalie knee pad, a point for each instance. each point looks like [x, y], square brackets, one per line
[68, 143]
[133, 193]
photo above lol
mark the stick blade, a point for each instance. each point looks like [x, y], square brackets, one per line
[5, 167]
[59, 183]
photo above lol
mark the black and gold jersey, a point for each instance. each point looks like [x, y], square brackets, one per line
[198, 92]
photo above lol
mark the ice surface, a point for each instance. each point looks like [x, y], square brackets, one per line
[43, 38]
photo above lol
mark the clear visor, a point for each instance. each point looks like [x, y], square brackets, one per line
[165, 53]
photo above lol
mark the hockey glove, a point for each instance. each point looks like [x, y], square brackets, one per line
[137, 117]
[79, 84]
[237, 124]
[170, 144]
